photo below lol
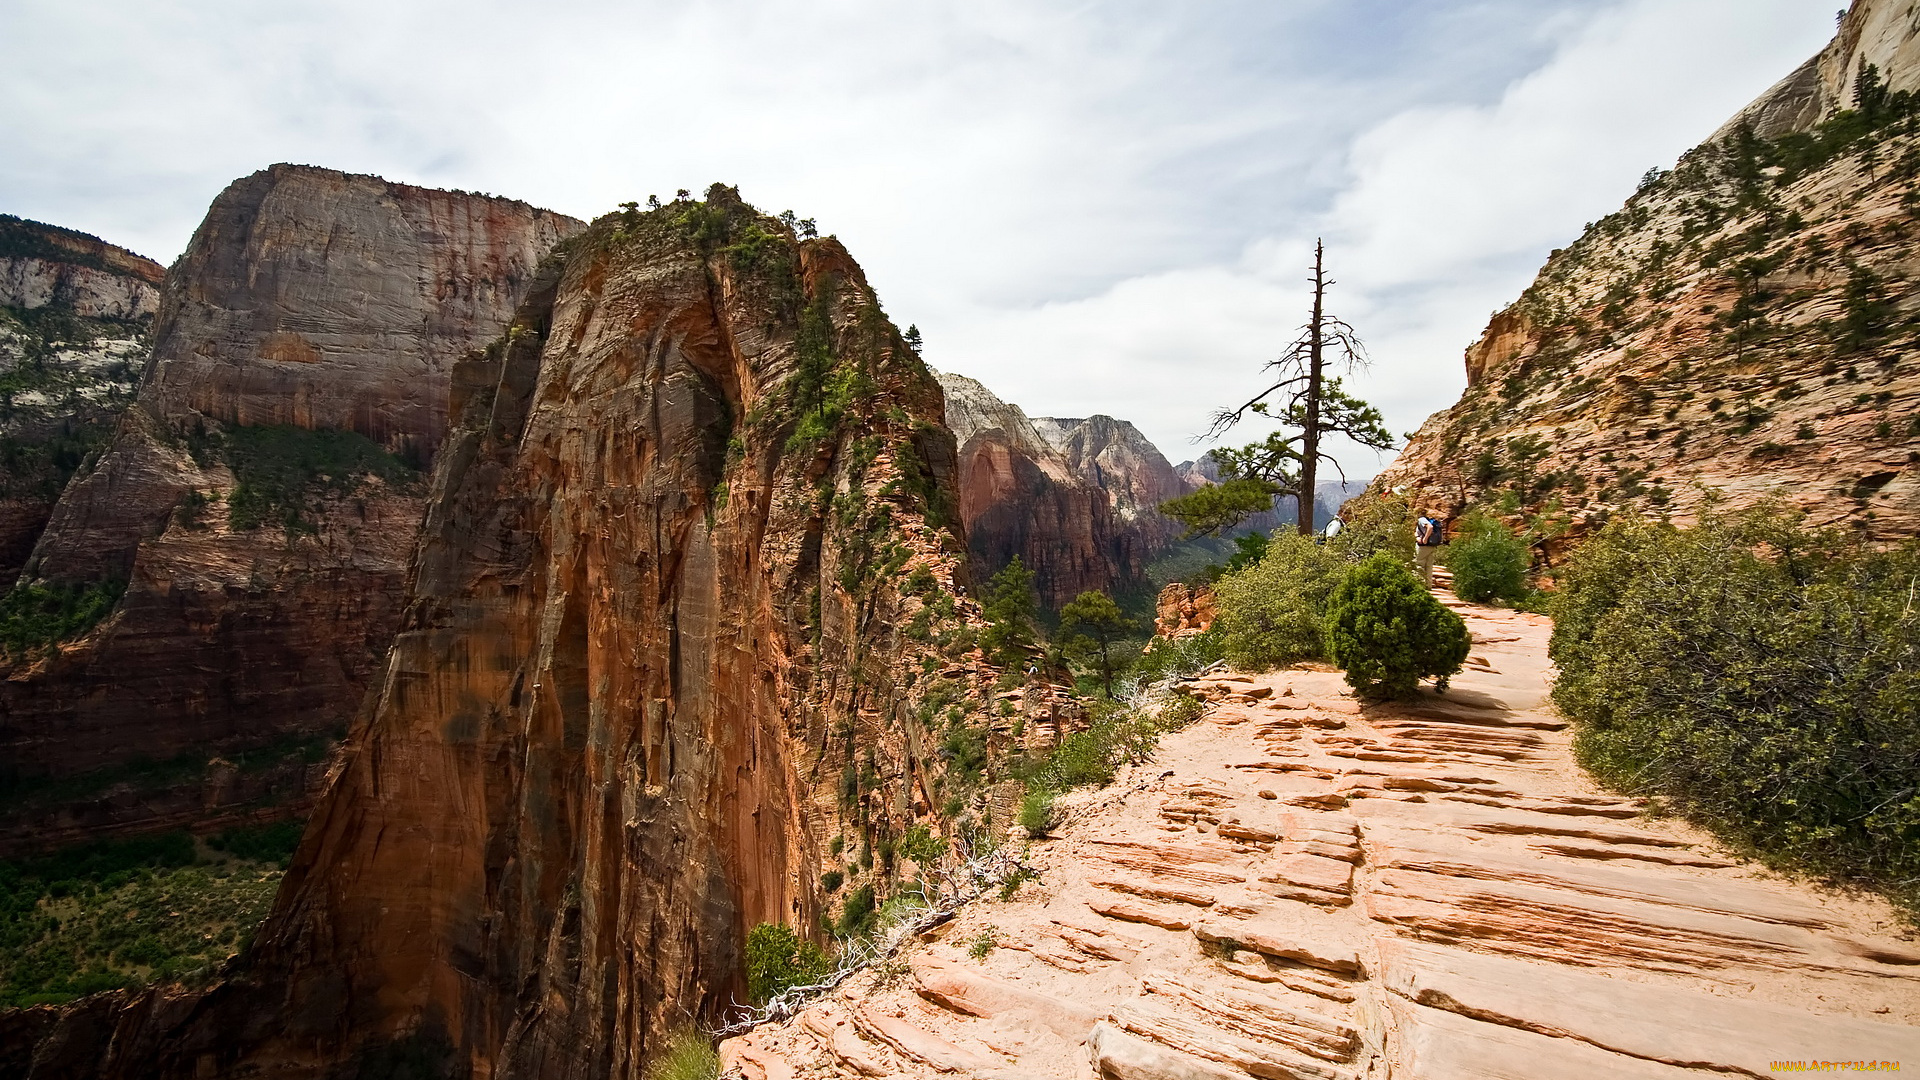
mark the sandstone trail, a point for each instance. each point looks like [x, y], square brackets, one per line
[1300, 886]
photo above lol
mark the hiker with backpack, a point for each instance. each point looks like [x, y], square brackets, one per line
[1429, 532]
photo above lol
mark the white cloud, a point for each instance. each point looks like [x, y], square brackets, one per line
[1090, 207]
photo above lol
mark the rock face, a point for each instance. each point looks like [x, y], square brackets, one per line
[74, 315]
[1743, 326]
[1300, 885]
[1076, 500]
[265, 568]
[674, 647]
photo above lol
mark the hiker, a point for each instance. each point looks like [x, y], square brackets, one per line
[1332, 530]
[1429, 532]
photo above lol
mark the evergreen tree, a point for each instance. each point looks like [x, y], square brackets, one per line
[1009, 610]
[1092, 624]
[1388, 632]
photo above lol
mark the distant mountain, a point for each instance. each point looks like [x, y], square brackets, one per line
[1075, 498]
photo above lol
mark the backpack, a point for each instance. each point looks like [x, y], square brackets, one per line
[1432, 532]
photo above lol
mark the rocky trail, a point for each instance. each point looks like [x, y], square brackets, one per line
[1302, 886]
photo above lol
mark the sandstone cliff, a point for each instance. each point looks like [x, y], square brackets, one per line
[1076, 499]
[74, 315]
[260, 501]
[1742, 329]
[684, 634]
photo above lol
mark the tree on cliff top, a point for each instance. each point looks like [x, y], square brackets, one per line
[1304, 397]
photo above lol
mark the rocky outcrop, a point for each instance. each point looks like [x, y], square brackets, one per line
[1740, 331]
[1303, 886]
[684, 634]
[1182, 611]
[1075, 500]
[45, 266]
[74, 315]
[265, 567]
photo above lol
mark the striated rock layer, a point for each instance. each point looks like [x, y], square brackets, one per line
[1075, 499]
[673, 649]
[1743, 329]
[74, 316]
[1301, 885]
[310, 299]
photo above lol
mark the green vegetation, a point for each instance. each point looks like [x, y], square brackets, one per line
[1388, 632]
[281, 470]
[1762, 676]
[1180, 657]
[1009, 608]
[920, 845]
[122, 913]
[1272, 613]
[688, 1055]
[1091, 626]
[38, 615]
[273, 844]
[857, 913]
[1036, 811]
[1488, 562]
[778, 960]
[983, 942]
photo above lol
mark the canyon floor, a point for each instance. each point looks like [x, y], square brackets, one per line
[1300, 885]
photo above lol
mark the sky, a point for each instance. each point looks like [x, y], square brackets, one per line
[1092, 207]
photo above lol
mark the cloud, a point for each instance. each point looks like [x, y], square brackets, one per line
[1090, 207]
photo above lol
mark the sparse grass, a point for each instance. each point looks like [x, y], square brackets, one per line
[687, 1055]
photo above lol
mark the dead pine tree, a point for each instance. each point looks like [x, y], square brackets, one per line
[1306, 397]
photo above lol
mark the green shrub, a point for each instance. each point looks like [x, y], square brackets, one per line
[778, 960]
[688, 1055]
[856, 913]
[37, 615]
[831, 881]
[1179, 657]
[920, 845]
[1489, 563]
[1375, 523]
[1036, 812]
[1388, 631]
[1761, 675]
[1271, 613]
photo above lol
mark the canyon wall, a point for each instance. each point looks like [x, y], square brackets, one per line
[259, 501]
[74, 316]
[684, 633]
[1075, 499]
[1742, 330]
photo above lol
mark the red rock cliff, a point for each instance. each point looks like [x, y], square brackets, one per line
[666, 602]
[1077, 500]
[308, 297]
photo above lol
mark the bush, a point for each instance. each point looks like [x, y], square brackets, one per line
[920, 845]
[1271, 613]
[1763, 676]
[689, 1055]
[856, 914]
[273, 843]
[1488, 562]
[831, 881]
[1388, 631]
[1036, 812]
[1179, 657]
[1375, 523]
[778, 960]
